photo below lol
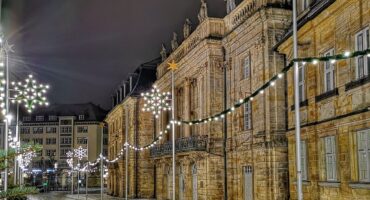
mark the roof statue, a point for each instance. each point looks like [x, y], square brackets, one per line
[203, 12]
[174, 43]
[187, 28]
[164, 53]
[230, 5]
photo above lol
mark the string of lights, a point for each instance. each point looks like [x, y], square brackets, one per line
[260, 90]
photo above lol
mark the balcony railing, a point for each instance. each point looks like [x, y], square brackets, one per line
[198, 143]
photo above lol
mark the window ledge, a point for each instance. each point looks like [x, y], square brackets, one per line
[360, 185]
[301, 104]
[303, 182]
[327, 95]
[329, 184]
[357, 83]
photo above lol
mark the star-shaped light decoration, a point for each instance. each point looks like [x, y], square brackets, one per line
[172, 65]
[30, 93]
[156, 102]
[80, 153]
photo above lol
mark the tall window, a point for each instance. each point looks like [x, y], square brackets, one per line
[50, 152]
[301, 77]
[246, 67]
[304, 160]
[195, 182]
[362, 62]
[330, 158]
[329, 72]
[247, 116]
[248, 182]
[363, 149]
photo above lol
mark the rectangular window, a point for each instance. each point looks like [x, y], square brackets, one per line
[51, 129]
[63, 152]
[81, 117]
[25, 130]
[65, 122]
[247, 116]
[65, 140]
[82, 129]
[363, 149]
[38, 130]
[330, 158]
[25, 141]
[66, 129]
[50, 152]
[38, 141]
[329, 72]
[304, 160]
[105, 141]
[362, 62]
[246, 67]
[301, 81]
[40, 118]
[53, 118]
[81, 140]
[27, 118]
[51, 140]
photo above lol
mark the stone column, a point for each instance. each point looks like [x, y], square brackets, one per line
[187, 109]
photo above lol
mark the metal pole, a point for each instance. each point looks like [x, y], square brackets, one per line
[225, 131]
[296, 104]
[87, 178]
[78, 180]
[72, 176]
[173, 138]
[87, 171]
[17, 140]
[101, 163]
[126, 162]
[6, 132]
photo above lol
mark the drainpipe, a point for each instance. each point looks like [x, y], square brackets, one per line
[225, 124]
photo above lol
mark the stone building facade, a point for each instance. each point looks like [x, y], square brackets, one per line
[127, 105]
[256, 145]
[227, 59]
[335, 101]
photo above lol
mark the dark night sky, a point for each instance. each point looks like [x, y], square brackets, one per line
[84, 48]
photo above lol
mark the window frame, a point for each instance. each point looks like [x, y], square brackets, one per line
[304, 160]
[365, 45]
[366, 152]
[247, 67]
[332, 154]
[40, 118]
[330, 71]
[81, 117]
[247, 118]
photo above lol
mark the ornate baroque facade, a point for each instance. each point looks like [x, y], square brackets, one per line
[226, 59]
